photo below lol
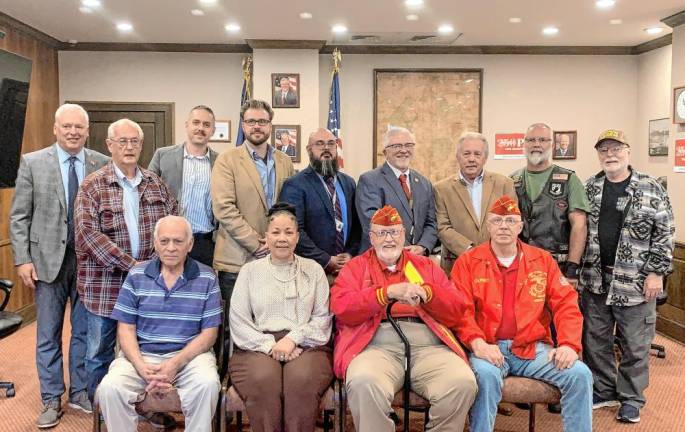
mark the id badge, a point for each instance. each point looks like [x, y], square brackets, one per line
[338, 225]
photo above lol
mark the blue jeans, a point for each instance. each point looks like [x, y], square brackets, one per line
[102, 332]
[574, 383]
[51, 301]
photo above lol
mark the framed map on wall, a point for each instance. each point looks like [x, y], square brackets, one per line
[437, 105]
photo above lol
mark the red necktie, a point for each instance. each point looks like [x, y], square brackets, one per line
[405, 186]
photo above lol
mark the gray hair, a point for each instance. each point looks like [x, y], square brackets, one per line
[189, 229]
[473, 136]
[69, 107]
[121, 122]
[539, 126]
[395, 130]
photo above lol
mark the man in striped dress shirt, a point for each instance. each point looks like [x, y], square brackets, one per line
[169, 311]
[186, 168]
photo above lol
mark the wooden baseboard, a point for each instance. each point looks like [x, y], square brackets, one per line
[28, 314]
[670, 328]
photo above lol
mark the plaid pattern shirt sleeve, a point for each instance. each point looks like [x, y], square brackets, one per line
[103, 247]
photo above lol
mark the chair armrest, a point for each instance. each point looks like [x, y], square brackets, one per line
[6, 286]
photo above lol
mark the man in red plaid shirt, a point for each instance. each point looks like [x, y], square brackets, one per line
[115, 213]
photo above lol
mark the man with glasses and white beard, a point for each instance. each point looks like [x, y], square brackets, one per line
[629, 252]
[405, 189]
[324, 201]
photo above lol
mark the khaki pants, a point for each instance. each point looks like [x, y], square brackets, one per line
[437, 374]
[197, 385]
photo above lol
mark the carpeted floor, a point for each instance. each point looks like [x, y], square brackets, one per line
[662, 414]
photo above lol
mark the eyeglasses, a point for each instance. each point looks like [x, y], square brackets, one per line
[399, 146]
[260, 122]
[616, 150]
[123, 142]
[322, 144]
[539, 140]
[507, 221]
[382, 234]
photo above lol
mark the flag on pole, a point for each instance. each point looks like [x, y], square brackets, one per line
[334, 104]
[244, 95]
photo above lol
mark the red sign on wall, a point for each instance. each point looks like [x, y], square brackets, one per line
[679, 160]
[509, 146]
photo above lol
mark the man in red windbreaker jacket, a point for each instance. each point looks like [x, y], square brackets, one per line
[368, 353]
[512, 292]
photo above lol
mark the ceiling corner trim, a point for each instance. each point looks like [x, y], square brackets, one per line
[14, 24]
[675, 20]
[653, 44]
[285, 44]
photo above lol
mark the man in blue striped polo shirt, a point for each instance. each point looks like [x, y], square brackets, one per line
[168, 310]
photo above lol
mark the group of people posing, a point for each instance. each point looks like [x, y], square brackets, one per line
[537, 271]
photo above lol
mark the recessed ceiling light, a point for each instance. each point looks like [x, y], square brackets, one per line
[339, 29]
[515, 20]
[85, 10]
[306, 15]
[550, 31]
[616, 21]
[124, 27]
[654, 30]
[604, 4]
[197, 12]
[445, 29]
[91, 3]
[232, 28]
[208, 2]
[413, 3]
[412, 17]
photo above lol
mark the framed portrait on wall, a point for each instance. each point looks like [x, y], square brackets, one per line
[565, 145]
[285, 90]
[286, 138]
[222, 131]
[658, 137]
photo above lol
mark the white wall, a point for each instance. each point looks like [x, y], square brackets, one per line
[583, 93]
[187, 79]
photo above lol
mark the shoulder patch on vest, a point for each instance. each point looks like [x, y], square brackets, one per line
[556, 188]
[560, 176]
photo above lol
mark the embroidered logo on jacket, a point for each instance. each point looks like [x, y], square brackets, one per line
[538, 284]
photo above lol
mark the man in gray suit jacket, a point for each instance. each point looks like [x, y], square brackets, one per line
[186, 168]
[42, 233]
[406, 190]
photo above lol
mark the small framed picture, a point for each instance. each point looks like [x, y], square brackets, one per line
[285, 90]
[565, 143]
[222, 132]
[286, 138]
[658, 137]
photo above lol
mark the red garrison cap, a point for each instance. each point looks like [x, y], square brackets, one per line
[386, 216]
[505, 206]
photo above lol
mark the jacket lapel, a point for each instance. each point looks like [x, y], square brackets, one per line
[464, 196]
[91, 167]
[315, 183]
[394, 183]
[488, 187]
[251, 169]
[53, 161]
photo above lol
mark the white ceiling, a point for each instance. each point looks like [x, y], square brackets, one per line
[482, 22]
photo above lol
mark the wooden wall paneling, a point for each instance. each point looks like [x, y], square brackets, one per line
[671, 316]
[43, 101]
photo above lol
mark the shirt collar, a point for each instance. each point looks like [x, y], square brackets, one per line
[399, 264]
[64, 156]
[187, 155]
[253, 152]
[398, 172]
[191, 269]
[122, 178]
[475, 181]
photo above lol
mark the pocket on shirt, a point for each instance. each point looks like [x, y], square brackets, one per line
[111, 217]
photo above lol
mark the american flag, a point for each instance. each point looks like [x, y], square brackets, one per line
[334, 104]
[244, 95]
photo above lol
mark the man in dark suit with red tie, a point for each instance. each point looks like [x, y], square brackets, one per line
[324, 200]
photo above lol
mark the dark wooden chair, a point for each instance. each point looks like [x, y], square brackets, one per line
[529, 391]
[9, 323]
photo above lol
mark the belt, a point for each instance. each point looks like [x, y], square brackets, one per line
[204, 235]
[406, 319]
[608, 269]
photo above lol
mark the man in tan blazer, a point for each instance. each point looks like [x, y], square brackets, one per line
[246, 182]
[462, 200]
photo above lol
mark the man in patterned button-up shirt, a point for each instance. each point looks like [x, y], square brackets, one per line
[629, 252]
[116, 211]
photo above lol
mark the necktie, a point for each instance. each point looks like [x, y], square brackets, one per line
[405, 186]
[283, 98]
[339, 236]
[72, 188]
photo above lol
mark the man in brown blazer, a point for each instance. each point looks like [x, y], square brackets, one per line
[246, 182]
[462, 200]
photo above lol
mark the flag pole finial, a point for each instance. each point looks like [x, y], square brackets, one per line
[337, 58]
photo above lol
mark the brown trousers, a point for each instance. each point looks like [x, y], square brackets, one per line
[282, 396]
